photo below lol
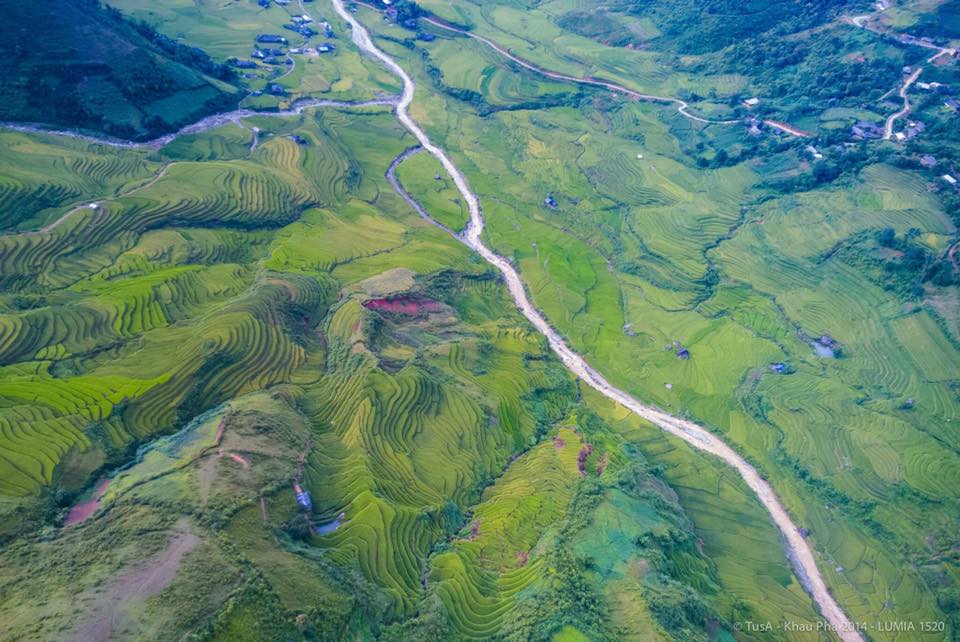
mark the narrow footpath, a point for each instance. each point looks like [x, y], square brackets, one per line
[798, 550]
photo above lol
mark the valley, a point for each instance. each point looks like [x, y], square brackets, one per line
[426, 338]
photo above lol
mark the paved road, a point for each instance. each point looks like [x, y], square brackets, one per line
[800, 554]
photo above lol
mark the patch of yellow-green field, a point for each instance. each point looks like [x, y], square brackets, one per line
[426, 180]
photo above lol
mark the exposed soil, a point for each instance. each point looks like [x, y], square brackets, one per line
[411, 305]
[108, 616]
[83, 510]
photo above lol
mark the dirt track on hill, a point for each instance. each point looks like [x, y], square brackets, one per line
[682, 106]
[798, 550]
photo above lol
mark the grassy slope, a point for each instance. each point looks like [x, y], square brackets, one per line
[75, 65]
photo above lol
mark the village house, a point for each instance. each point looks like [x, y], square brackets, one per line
[928, 161]
[949, 179]
[271, 37]
[866, 129]
[750, 103]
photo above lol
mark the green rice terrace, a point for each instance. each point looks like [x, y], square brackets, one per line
[291, 320]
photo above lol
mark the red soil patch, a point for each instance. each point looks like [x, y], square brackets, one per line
[239, 459]
[558, 443]
[83, 510]
[403, 305]
[474, 530]
[582, 459]
[522, 558]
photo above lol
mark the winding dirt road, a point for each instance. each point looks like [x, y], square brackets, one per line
[892, 118]
[799, 552]
[210, 122]
[863, 22]
[682, 106]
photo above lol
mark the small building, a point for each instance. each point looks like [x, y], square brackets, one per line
[271, 37]
[550, 202]
[276, 90]
[750, 103]
[949, 179]
[928, 161]
[299, 140]
[778, 367]
[426, 37]
[326, 47]
[900, 136]
[257, 53]
[865, 129]
[264, 3]
[914, 129]
[813, 152]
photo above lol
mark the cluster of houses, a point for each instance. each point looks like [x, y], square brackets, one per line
[268, 48]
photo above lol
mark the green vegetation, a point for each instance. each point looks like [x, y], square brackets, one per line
[245, 312]
[80, 65]
[746, 263]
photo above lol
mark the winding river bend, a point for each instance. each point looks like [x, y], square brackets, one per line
[801, 556]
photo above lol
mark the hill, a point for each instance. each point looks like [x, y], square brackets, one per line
[81, 65]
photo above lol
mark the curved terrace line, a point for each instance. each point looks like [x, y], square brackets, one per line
[210, 122]
[799, 552]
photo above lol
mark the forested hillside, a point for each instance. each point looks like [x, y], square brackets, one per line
[81, 65]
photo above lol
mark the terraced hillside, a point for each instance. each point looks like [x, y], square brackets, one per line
[800, 347]
[228, 322]
[248, 391]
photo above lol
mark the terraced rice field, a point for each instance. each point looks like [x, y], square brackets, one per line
[644, 251]
[236, 318]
